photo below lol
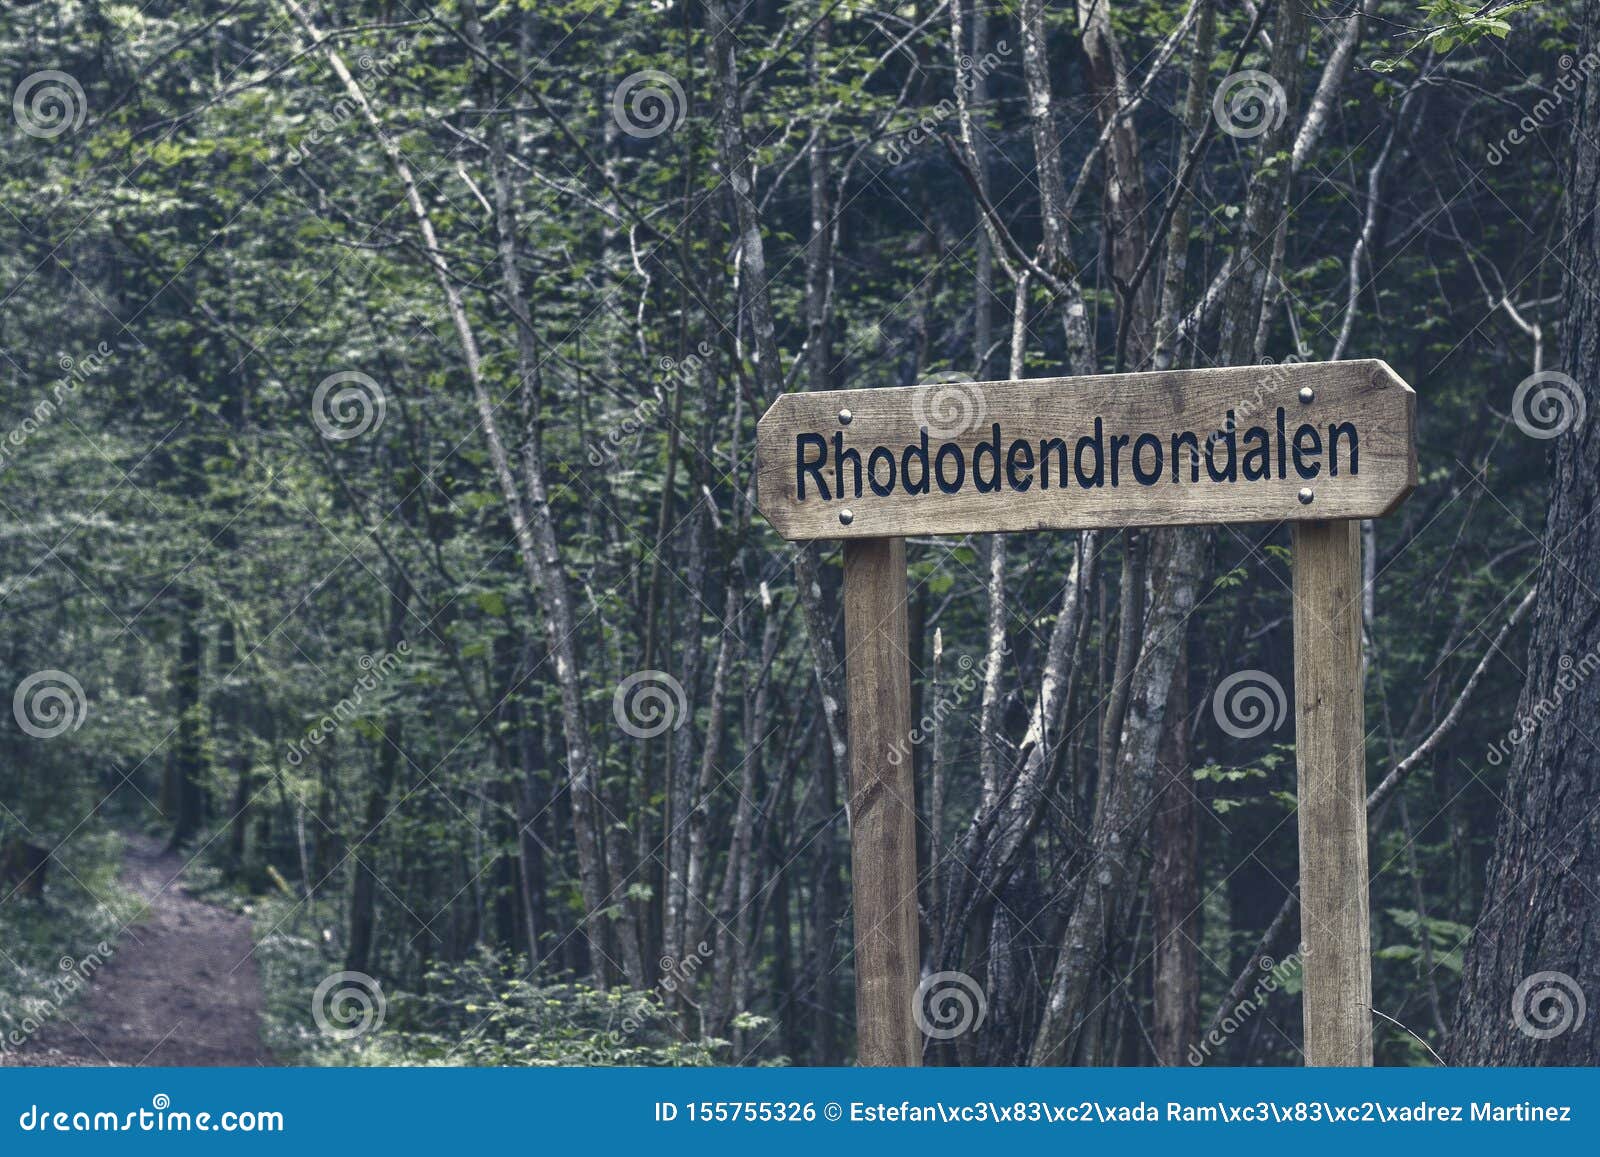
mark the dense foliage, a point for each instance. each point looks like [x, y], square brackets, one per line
[379, 392]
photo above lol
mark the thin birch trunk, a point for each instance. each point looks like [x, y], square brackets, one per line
[1175, 275]
[536, 539]
[1178, 561]
[1052, 187]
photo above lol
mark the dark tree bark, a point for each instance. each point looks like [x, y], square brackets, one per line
[187, 770]
[1541, 914]
[364, 886]
[1175, 886]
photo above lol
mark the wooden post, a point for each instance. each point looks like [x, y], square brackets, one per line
[1363, 408]
[1330, 754]
[883, 834]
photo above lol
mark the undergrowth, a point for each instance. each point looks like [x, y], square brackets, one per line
[52, 946]
[485, 1011]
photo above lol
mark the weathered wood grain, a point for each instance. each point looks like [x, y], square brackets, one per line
[1331, 758]
[883, 836]
[1367, 394]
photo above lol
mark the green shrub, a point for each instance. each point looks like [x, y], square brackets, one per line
[54, 946]
[486, 1011]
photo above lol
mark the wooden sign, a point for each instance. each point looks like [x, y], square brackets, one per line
[1302, 441]
[1322, 443]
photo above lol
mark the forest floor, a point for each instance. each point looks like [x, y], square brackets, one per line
[181, 989]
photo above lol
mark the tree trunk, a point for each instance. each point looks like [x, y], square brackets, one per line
[1175, 885]
[1177, 564]
[1534, 959]
[1122, 811]
[188, 752]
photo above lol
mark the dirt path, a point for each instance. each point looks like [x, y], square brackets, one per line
[181, 989]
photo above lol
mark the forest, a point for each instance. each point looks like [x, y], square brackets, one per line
[398, 663]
